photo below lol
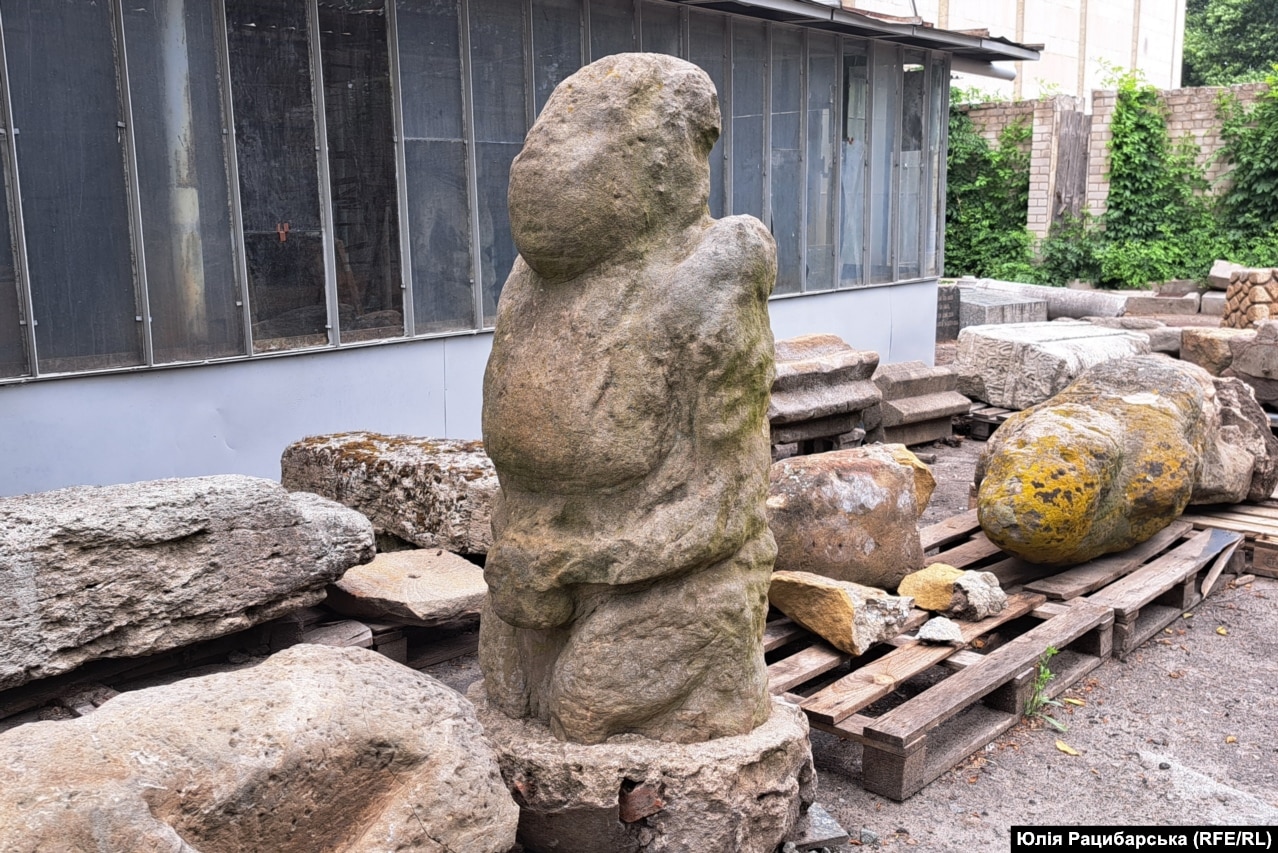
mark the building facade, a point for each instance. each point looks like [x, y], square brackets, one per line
[233, 223]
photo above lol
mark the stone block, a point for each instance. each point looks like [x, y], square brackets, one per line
[944, 589]
[929, 407]
[130, 570]
[424, 586]
[818, 376]
[923, 432]
[1209, 348]
[1146, 305]
[947, 312]
[1020, 365]
[913, 379]
[1212, 302]
[984, 307]
[434, 493]
[1221, 272]
[1162, 338]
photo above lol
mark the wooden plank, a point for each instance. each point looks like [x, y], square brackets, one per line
[948, 531]
[1094, 574]
[443, 650]
[1264, 559]
[867, 684]
[1147, 583]
[804, 666]
[1238, 513]
[1248, 528]
[906, 724]
[1013, 571]
[968, 553]
[780, 632]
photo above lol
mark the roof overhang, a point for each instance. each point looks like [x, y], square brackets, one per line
[833, 18]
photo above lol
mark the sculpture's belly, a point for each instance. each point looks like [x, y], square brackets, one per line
[569, 421]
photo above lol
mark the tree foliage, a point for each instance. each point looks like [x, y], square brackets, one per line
[1229, 41]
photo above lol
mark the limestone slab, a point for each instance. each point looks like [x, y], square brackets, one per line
[128, 570]
[1145, 305]
[1162, 338]
[433, 493]
[1209, 348]
[316, 748]
[1020, 365]
[903, 379]
[985, 307]
[818, 376]
[424, 586]
[849, 616]
[929, 407]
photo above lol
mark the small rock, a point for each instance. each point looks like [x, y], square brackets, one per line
[940, 630]
[848, 615]
[942, 588]
[424, 586]
[1164, 765]
[869, 836]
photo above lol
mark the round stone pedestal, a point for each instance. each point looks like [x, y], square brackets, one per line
[731, 795]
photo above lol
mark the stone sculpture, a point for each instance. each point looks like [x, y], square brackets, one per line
[1115, 457]
[625, 410]
[625, 407]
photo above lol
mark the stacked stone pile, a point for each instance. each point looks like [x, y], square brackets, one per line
[823, 397]
[1251, 298]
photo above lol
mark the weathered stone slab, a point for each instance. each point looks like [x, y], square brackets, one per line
[1061, 301]
[314, 749]
[1020, 365]
[823, 390]
[1221, 272]
[1162, 338]
[849, 514]
[424, 586]
[1140, 304]
[634, 795]
[1112, 460]
[978, 307]
[434, 493]
[929, 407]
[953, 592]
[848, 616]
[1213, 303]
[122, 571]
[903, 379]
[923, 432]
[1255, 361]
[1209, 348]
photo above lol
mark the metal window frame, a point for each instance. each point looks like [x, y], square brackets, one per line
[319, 111]
[407, 308]
[231, 152]
[17, 226]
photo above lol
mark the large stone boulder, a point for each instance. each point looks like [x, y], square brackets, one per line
[316, 748]
[1112, 460]
[122, 571]
[1023, 364]
[1254, 360]
[420, 586]
[431, 492]
[1210, 348]
[625, 409]
[850, 514]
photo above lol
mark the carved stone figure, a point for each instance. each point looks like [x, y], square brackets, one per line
[625, 408]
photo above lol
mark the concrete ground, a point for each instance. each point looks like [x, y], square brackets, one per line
[1183, 732]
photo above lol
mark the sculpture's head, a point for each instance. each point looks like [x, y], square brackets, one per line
[618, 154]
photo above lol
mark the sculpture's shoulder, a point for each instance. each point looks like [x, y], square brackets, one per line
[738, 252]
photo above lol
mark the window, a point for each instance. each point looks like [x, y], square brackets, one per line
[193, 181]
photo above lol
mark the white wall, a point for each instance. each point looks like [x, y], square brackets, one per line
[237, 418]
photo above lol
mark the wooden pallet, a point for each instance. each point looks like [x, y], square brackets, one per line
[959, 542]
[1258, 523]
[1157, 593]
[984, 420]
[910, 745]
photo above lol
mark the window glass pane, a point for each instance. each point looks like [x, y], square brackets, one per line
[13, 332]
[787, 165]
[71, 141]
[749, 82]
[661, 27]
[435, 170]
[497, 72]
[612, 27]
[707, 45]
[883, 133]
[275, 138]
[361, 166]
[823, 100]
[175, 81]
[912, 165]
[856, 163]
[938, 111]
[556, 34]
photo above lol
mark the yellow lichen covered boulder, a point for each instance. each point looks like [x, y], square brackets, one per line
[1100, 467]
